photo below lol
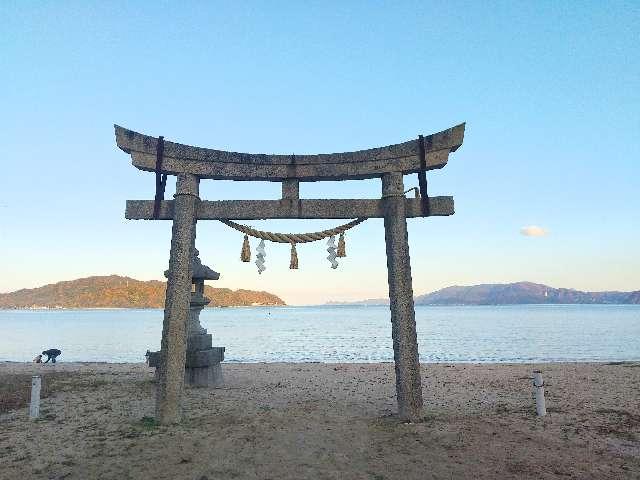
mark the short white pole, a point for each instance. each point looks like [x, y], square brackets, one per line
[538, 386]
[34, 406]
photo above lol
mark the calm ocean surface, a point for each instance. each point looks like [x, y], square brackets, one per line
[532, 333]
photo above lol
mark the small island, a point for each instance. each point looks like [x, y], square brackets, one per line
[114, 291]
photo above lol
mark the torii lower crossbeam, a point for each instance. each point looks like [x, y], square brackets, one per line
[302, 209]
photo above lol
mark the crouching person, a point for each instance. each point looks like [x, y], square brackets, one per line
[51, 354]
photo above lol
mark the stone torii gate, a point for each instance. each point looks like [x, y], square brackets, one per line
[191, 164]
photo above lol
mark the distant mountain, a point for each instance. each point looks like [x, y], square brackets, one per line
[511, 294]
[522, 293]
[121, 292]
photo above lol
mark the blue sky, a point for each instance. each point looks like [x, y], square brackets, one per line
[550, 92]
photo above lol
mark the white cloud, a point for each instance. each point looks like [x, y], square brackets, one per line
[533, 231]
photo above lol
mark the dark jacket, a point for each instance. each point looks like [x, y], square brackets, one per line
[52, 352]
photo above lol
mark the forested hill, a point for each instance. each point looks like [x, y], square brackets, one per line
[121, 292]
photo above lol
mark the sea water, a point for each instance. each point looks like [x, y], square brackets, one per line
[523, 333]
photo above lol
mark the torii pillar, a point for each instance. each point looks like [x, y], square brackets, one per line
[403, 317]
[173, 347]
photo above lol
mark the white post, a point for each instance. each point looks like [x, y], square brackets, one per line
[538, 386]
[34, 406]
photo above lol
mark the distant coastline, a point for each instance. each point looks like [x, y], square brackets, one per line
[116, 292]
[519, 293]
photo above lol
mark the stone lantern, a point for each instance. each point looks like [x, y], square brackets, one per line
[202, 368]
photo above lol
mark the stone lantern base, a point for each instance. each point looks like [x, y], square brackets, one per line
[202, 367]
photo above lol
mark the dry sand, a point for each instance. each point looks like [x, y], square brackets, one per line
[330, 421]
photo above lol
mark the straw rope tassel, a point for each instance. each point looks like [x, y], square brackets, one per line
[342, 248]
[245, 254]
[294, 257]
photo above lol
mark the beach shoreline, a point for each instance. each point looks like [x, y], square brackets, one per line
[328, 420]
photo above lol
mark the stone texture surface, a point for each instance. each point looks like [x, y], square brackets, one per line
[291, 189]
[201, 272]
[202, 355]
[130, 141]
[209, 376]
[217, 164]
[200, 341]
[204, 358]
[176, 313]
[303, 208]
[403, 322]
[198, 302]
[328, 171]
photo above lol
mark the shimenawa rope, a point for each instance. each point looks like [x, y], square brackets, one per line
[292, 238]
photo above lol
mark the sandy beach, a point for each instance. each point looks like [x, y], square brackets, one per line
[328, 421]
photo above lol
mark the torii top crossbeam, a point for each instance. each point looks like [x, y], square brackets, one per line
[401, 158]
[222, 165]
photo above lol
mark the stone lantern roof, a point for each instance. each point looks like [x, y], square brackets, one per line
[199, 271]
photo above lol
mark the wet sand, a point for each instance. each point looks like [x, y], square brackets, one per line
[328, 421]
